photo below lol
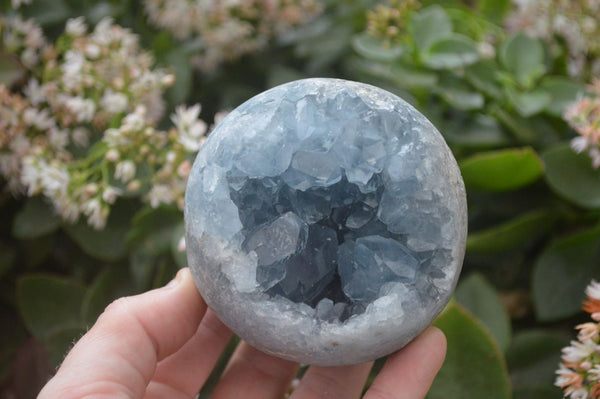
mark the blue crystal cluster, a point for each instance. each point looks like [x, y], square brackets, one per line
[322, 200]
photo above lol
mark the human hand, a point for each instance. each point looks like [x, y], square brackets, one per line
[164, 344]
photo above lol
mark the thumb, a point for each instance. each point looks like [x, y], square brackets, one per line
[118, 355]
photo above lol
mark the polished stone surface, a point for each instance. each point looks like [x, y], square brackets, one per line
[326, 221]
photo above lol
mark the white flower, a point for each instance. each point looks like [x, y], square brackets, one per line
[73, 64]
[189, 127]
[92, 50]
[76, 26]
[58, 138]
[34, 92]
[112, 155]
[136, 120]
[594, 153]
[161, 194]
[110, 194]
[55, 179]
[38, 118]
[30, 176]
[66, 208]
[114, 103]
[17, 3]
[82, 108]
[29, 57]
[593, 290]
[95, 212]
[579, 144]
[125, 171]
[578, 351]
[181, 244]
[81, 136]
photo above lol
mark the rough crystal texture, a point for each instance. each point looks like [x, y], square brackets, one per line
[326, 221]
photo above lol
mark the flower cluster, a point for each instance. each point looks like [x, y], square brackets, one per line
[229, 29]
[579, 373]
[573, 22]
[584, 117]
[82, 133]
[23, 40]
[386, 22]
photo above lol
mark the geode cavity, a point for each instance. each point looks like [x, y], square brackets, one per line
[326, 222]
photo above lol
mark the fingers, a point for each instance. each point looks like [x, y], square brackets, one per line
[409, 373]
[118, 356]
[333, 382]
[252, 374]
[187, 369]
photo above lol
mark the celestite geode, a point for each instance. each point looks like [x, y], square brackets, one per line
[326, 222]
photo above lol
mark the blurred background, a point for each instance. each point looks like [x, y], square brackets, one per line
[103, 105]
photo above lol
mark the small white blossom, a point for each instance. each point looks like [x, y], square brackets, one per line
[579, 144]
[161, 194]
[34, 92]
[18, 3]
[96, 213]
[76, 26]
[189, 127]
[81, 136]
[83, 108]
[110, 194]
[114, 103]
[125, 171]
[593, 290]
[578, 351]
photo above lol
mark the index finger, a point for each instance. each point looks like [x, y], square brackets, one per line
[409, 373]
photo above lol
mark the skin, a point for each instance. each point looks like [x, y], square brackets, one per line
[164, 344]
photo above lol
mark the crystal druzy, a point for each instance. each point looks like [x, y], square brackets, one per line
[326, 221]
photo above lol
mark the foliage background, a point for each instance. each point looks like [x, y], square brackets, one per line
[497, 94]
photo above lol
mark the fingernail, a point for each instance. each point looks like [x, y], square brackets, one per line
[178, 279]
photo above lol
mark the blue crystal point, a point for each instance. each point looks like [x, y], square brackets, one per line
[326, 221]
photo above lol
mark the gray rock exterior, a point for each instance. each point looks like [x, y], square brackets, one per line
[326, 222]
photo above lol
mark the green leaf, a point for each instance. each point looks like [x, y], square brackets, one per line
[571, 176]
[280, 74]
[524, 57]
[11, 70]
[462, 99]
[152, 229]
[477, 295]
[179, 60]
[511, 235]
[428, 26]
[483, 76]
[533, 357]
[481, 131]
[474, 367]
[502, 170]
[529, 103]
[48, 12]
[495, 10]
[112, 283]
[58, 344]
[452, 52]
[374, 49]
[563, 92]
[538, 392]
[562, 272]
[36, 218]
[412, 78]
[8, 255]
[11, 336]
[49, 304]
[108, 244]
